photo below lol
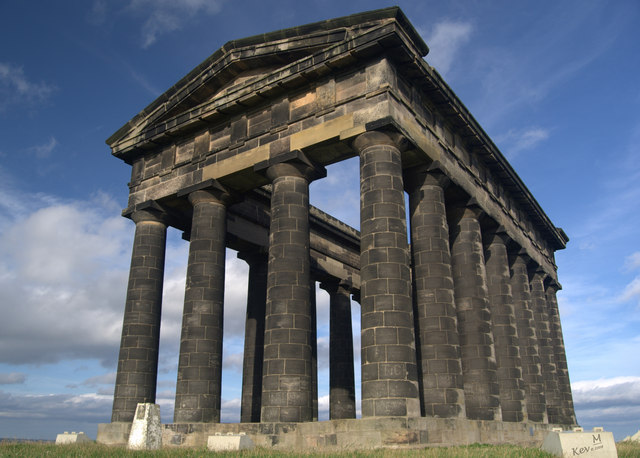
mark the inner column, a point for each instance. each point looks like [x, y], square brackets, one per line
[533, 383]
[199, 385]
[543, 333]
[474, 316]
[505, 334]
[254, 336]
[342, 395]
[436, 323]
[567, 413]
[138, 358]
[287, 393]
[389, 372]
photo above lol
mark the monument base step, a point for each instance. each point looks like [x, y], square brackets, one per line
[367, 433]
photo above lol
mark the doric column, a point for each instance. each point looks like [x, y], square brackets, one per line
[342, 395]
[138, 358]
[533, 383]
[287, 394]
[253, 336]
[389, 372]
[567, 412]
[543, 333]
[503, 321]
[438, 346]
[314, 350]
[482, 400]
[198, 389]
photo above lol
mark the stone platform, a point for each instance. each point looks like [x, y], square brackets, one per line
[391, 432]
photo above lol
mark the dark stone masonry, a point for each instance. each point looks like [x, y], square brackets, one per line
[460, 334]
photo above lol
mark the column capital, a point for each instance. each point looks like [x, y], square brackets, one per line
[378, 138]
[331, 285]
[293, 163]
[207, 191]
[538, 273]
[148, 211]
[495, 234]
[254, 256]
[465, 208]
[553, 286]
[425, 174]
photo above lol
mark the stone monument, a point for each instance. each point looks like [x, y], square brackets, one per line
[460, 331]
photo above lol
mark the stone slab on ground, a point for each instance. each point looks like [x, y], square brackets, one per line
[634, 438]
[72, 438]
[220, 443]
[596, 443]
[146, 429]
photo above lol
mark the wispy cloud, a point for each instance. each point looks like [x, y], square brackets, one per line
[12, 378]
[516, 141]
[165, 16]
[17, 89]
[44, 150]
[444, 42]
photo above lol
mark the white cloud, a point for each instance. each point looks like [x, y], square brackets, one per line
[164, 16]
[445, 40]
[613, 403]
[12, 378]
[517, 140]
[17, 89]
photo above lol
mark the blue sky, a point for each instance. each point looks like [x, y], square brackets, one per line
[555, 84]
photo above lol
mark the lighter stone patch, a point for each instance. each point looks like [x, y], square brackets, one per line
[219, 443]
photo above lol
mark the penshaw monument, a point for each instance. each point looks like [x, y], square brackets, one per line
[461, 339]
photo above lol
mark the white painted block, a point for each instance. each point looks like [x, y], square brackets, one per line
[146, 429]
[72, 438]
[219, 443]
[596, 444]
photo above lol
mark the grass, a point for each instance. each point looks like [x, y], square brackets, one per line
[36, 449]
[33, 449]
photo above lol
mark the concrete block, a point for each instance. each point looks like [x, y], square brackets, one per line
[72, 438]
[146, 429]
[596, 443]
[219, 443]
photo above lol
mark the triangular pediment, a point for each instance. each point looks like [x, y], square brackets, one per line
[239, 62]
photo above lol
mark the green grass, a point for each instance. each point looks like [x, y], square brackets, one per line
[39, 449]
[97, 450]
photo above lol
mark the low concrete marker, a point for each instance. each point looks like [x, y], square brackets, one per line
[146, 429]
[596, 443]
[219, 443]
[72, 438]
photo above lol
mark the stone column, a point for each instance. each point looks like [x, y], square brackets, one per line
[533, 383]
[287, 394]
[253, 336]
[342, 394]
[543, 333]
[389, 372]
[438, 346]
[138, 358]
[567, 413]
[198, 389]
[481, 393]
[314, 349]
[505, 335]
